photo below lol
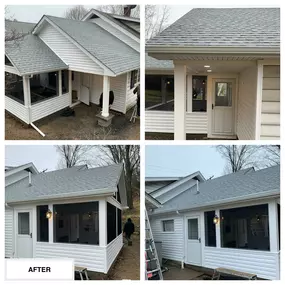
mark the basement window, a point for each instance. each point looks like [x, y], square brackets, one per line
[42, 224]
[76, 223]
[210, 229]
[168, 226]
[245, 228]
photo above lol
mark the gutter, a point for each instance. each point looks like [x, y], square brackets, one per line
[267, 194]
[212, 50]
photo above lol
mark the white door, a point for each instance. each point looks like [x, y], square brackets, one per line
[85, 88]
[193, 241]
[223, 119]
[24, 234]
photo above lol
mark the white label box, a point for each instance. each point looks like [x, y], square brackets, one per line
[39, 269]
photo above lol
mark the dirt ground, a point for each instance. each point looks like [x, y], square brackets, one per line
[166, 136]
[83, 126]
[176, 273]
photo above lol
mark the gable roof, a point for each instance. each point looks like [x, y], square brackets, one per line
[66, 183]
[30, 55]
[223, 27]
[240, 186]
[10, 170]
[155, 64]
[106, 48]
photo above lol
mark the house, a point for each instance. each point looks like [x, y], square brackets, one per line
[232, 221]
[225, 63]
[57, 63]
[69, 213]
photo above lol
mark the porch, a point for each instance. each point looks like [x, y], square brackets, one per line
[220, 96]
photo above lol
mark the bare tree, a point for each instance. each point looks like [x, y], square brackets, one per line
[130, 156]
[243, 156]
[71, 155]
[76, 12]
[119, 10]
[156, 19]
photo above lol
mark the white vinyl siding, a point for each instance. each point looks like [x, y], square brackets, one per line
[270, 108]
[264, 264]
[246, 105]
[90, 256]
[113, 249]
[163, 122]
[75, 58]
[17, 109]
[50, 106]
[131, 98]
[117, 85]
[118, 34]
[172, 242]
[9, 225]
[152, 186]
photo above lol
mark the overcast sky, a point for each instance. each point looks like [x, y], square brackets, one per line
[173, 160]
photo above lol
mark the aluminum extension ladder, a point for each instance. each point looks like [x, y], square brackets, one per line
[153, 269]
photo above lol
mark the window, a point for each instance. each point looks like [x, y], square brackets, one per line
[76, 223]
[210, 229]
[199, 93]
[64, 81]
[42, 224]
[119, 221]
[245, 228]
[134, 78]
[193, 229]
[168, 226]
[223, 94]
[159, 92]
[112, 231]
[14, 87]
[24, 223]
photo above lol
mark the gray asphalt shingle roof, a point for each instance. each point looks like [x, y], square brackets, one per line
[109, 50]
[155, 64]
[19, 27]
[30, 55]
[71, 182]
[240, 185]
[223, 27]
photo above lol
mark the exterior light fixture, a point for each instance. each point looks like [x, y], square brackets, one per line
[216, 220]
[206, 66]
[48, 214]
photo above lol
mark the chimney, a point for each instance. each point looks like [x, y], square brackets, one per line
[128, 9]
[197, 183]
[30, 179]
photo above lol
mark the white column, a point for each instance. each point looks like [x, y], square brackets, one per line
[70, 85]
[27, 91]
[179, 101]
[59, 74]
[189, 93]
[102, 223]
[273, 226]
[106, 90]
[218, 229]
[258, 106]
[50, 224]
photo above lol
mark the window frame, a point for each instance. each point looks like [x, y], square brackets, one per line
[134, 78]
[163, 225]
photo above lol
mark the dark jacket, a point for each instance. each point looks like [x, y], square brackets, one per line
[129, 228]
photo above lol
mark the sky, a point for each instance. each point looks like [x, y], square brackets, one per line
[177, 160]
[43, 156]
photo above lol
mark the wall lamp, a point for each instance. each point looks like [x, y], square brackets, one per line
[216, 220]
[48, 214]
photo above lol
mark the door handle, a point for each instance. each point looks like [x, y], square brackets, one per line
[212, 106]
[31, 235]
[199, 239]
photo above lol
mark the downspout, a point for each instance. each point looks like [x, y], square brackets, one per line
[37, 129]
[183, 258]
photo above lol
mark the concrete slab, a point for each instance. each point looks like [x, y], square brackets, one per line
[176, 273]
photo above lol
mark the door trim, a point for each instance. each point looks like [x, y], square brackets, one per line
[21, 210]
[210, 79]
[197, 216]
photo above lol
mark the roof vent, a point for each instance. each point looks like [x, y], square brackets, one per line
[197, 184]
[30, 179]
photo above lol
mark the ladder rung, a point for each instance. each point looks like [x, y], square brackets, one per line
[153, 271]
[149, 260]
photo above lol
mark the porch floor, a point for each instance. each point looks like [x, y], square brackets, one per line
[83, 126]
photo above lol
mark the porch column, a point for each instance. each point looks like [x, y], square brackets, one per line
[179, 101]
[189, 93]
[102, 223]
[50, 224]
[59, 82]
[27, 91]
[70, 85]
[106, 90]
[273, 226]
[218, 229]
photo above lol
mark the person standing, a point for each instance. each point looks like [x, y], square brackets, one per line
[129, 229]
